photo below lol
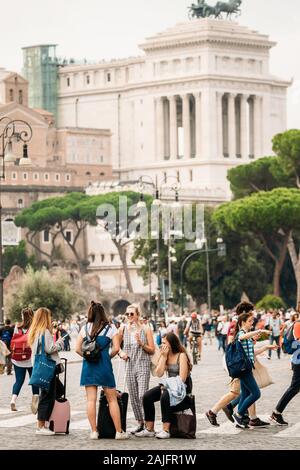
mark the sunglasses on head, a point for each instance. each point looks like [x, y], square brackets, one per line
[129, 314]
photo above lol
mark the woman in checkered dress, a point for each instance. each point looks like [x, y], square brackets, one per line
[138, 346]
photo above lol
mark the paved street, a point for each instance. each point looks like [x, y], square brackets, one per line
[17, 429]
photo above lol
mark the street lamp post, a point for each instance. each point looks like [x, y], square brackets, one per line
[12, 131]
[220, 250]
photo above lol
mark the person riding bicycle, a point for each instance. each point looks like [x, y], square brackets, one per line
[194, 330]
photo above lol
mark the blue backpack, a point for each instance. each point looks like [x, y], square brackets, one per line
[237, 361]
[6, 337]
[289, 344]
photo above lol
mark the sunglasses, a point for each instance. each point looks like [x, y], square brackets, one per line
[129, 314]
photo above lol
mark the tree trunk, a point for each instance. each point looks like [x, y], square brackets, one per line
[296, 263]
[122, 254]
[276, 279]
[279, 264]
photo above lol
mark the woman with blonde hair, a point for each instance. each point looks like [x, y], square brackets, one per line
[22, 360]
[138, 346]
[42, 327]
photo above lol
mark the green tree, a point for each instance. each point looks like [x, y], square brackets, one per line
[270, 217]
[17, 256]
[40, 289]
[229, 277]
[56, 214]
[287, 146]
[120, 231]
[270, 302]
[264, 174]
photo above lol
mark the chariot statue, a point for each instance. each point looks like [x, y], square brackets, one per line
[203, 10]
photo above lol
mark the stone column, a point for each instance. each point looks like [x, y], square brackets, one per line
[257, 126]
[209, 149]
[220, 125]
[173, 128]
[186, 126]
[198, 124]
[244, 127]
[231, 126]
[160, 128]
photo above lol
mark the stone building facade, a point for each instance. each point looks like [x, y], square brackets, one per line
[199, 101]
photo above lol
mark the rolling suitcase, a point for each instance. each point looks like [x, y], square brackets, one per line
[59, 421]
[105, 425]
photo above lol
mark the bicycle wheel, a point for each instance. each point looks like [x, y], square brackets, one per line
[195, 355]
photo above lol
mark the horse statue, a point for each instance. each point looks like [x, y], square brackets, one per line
[230, 8]
[203, 10]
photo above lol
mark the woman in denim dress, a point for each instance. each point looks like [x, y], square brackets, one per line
[100, 374]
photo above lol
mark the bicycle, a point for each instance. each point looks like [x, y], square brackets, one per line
[194, 347]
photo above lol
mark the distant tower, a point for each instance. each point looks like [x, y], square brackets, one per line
[40, 69]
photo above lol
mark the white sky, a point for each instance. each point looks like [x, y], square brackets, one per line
[106, 29]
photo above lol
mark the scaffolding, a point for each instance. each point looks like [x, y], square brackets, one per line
[40, 66]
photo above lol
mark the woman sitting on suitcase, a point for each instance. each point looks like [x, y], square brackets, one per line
[174, 396]
[100, 373]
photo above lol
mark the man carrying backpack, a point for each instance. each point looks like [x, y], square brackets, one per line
[294, 388]
[6, 334]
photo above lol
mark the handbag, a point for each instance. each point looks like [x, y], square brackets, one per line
[261, 375]
[43, 369]
[184, 423]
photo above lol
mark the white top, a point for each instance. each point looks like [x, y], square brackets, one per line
[110, 334]
[225, 328]
[28, 362]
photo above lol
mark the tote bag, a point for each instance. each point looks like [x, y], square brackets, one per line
[261, 375]
[184, 423]
[43, 369]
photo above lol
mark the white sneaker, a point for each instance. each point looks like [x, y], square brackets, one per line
[163, 435]
[94, 435]
[34, 404]
[122, 435]
[44, 432]
[145, 433]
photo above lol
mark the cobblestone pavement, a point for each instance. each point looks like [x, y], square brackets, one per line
[210, 383]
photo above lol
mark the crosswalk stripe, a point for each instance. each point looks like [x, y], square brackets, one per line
[291, 431]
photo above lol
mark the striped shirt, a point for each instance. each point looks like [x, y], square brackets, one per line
[248, 345]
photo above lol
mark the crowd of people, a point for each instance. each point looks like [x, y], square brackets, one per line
[144, 346]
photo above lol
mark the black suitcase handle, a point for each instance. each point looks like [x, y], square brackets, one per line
[65, 376]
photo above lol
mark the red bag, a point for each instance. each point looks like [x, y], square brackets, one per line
[19, 347]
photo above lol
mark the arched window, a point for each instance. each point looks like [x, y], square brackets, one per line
[20, 203]
[20, 96]
[11, 94]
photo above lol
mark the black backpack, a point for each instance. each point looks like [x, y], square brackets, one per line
[237, 361]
